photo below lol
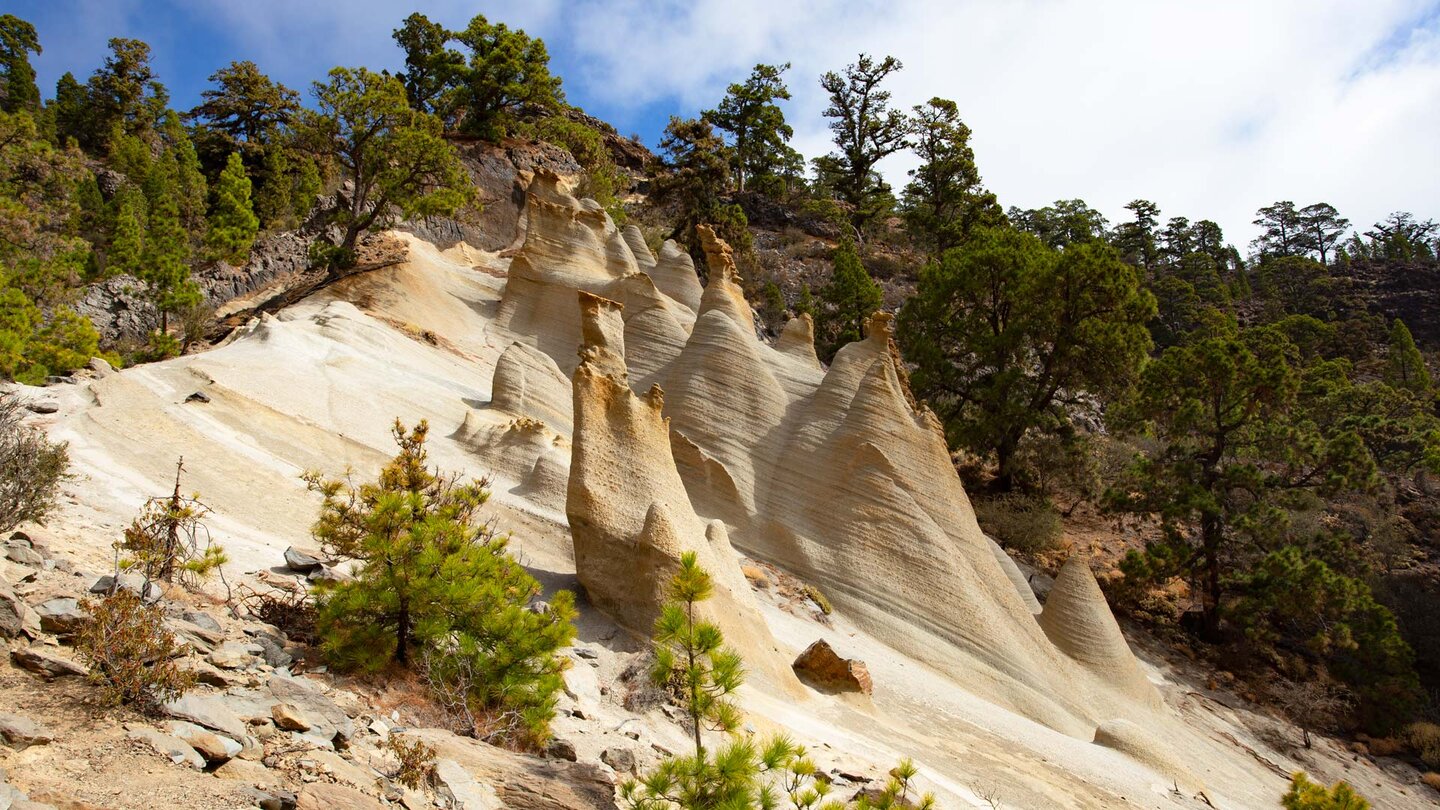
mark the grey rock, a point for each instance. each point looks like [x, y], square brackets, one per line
[12, 612]
[128, 581]
[326, 573]
[21, 732]
[204, 620]
[273, 651]
[199, 638]
[61, 615]
[208, 711]
[100, 367]
[45, 663]
[297, 560]
[213, 747]
[561, 749]
[464, 788]
[199, 396]
[327, 720]
[43, 407]
[235, 655]
[278, 800]
[170, 747]
[621, 759]
[25, 556]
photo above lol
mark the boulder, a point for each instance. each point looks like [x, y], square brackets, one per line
[199, 638]
[203, 620]
[21, 732]
[171, 747]
[45, 663]
[213, 747]
[208, 711]
[100, 367]
[523, 782]
[561, 749]
[327, 720]
[290, 718]
[821, 667]
[621, 759]
[25, 556]
[297, 560]
[273, 651]
[13, 612]
[235, 655]
[61, 615]
[130, 581]
[43, 407]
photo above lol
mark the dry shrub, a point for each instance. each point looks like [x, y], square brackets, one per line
[1018, 521]
[289, 610]
[819, 598]
[417, 762]
[130, 652]
[1383, 746]
[1424, 740]
[31, 469]
[1432, 779]
[169, 541]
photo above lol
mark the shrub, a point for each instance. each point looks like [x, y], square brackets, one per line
[818, 597]
[417, 761]
[1432, 779]
[131, 653]
[1306, 795]
[168, 540]
[438, 581]
[1424, 740]
[31, 469]
[1021, 522]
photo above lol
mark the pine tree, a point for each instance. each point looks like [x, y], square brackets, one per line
[847, 302]
[1404, 366]
[71, 111]
[232, 221]
[307, 188]
[437, 581]
[274, 201]
[692, 653]
[167, 245]
[866, 131]
[17, 77]
[945, 199]
[127, 240]
[760, 154]
[190, 186]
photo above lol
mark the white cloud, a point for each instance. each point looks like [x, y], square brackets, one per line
[1210, 109]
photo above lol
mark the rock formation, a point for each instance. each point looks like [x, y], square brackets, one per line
[834, 474]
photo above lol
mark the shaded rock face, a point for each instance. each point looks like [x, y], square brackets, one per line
[820, 666]
[1409, 291]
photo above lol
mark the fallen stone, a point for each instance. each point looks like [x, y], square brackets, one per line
[199, 638]
[21, 732]
[12, 612]
[321, 796]
[327, 720]
[61, 615]
[289, 717]
[464, 789]
[100, 367]
[46, 664]
[208, 674]
[297, 560]
[202, 620]
[42, 407]
[821, 667]
[25, 556]
[621, 759]
[279, 799]
[328, 574]
[235, 655]
[198, 396]
[561, 749]
[254, 773]
[208, 711]
[130, 581]
[169, 746]
[273, 651]
[213, 747]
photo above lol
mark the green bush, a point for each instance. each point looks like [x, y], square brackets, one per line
[1021, 522]
[436, 580]
[1306, 795]
[1424, 740]
[130, 653]
[31, 469]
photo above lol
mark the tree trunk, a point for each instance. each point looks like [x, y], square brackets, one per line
[1004, 466]
[1210, 533]
[402, 634]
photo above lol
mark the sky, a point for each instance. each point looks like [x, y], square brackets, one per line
[1210, 109]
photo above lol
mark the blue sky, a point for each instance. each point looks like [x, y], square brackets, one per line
[1210, 109]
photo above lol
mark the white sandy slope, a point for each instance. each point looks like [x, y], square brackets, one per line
[318, 386]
